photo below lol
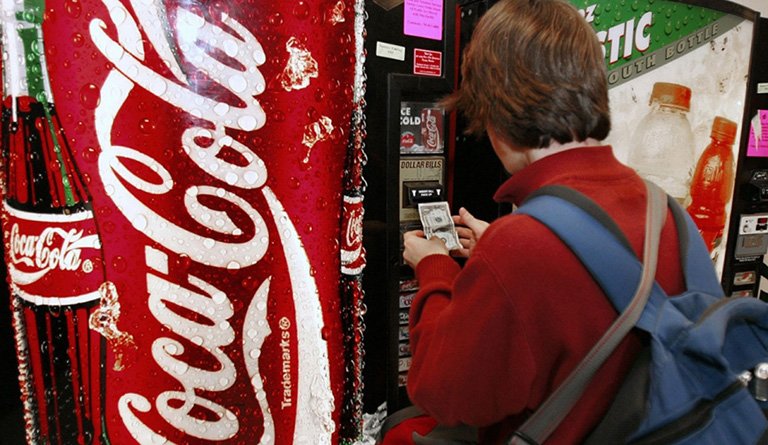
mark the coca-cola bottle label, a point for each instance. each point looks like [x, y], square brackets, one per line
[352, 252]
[54, 258]
[431, 128]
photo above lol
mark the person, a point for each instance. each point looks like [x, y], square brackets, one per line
[490, 341]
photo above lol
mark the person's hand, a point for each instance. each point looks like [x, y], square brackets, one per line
[469, 229]
[417, 247]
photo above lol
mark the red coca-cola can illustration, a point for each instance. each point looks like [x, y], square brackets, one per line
[432, 129]
[352, 251]
[184, 190]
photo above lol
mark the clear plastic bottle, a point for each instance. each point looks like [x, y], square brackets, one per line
[662, 148]
[712, 183]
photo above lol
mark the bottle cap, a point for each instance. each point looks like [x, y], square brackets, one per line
[723, 130]
[672, 94]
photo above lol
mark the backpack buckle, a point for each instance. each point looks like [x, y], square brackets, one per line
[758, 382]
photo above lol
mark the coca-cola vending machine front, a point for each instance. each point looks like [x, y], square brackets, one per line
[176, 177]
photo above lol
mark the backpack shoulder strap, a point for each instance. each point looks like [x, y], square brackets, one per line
[551, 413]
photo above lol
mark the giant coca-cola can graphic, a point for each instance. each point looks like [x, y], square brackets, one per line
[174, 176]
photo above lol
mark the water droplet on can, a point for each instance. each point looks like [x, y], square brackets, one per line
[146, 126]
[140, 222]
[275, 19]
[90, 96]
[231, 178]
[73, 8]
[251, 177]
[158, 86]
[119, 263]
[117, 14]
[238, 83]
[219, 297]
[247, 123]
[78, 40]
[301, 10]
[90, 154]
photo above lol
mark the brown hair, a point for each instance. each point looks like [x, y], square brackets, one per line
[534, 71]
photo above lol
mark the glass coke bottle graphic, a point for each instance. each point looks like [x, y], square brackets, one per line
[53, 251]
[712, 183]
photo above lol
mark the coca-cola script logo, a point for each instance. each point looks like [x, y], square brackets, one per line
[40, 245]
[53, 248]
[239, 74]
[430, 131]
[352, 255]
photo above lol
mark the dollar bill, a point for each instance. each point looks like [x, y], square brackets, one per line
[437, 221]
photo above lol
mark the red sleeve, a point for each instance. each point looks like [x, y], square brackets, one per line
[462, 327]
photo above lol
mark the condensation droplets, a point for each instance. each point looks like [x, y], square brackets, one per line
[316, 132]
[336, 15]
[301, 10]
[220, 297]
[275, 19]
[238, 83]
[118, 15]
[78, 40]
[299, 68]
[104, 321]
[147, 126]
[247, 123]
[90, 154]
[90, 96]
[140, 222]
[73, 8]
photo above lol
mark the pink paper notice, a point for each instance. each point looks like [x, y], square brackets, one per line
[423, 18]
[758, 135]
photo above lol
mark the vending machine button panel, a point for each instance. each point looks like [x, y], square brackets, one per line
[753, 224]
[744, 278]
[752, 241]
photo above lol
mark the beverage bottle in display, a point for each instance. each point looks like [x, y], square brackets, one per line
[431, 126]
[53, 250]
[662, 148]
[712, 183]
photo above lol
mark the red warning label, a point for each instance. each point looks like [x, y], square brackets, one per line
[427, 63]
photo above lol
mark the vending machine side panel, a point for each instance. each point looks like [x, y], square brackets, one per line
[744, 272]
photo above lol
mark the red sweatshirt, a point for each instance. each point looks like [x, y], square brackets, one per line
[492, 340]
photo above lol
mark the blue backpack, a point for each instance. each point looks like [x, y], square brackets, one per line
[688, 386]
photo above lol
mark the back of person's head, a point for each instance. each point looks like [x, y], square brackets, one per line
[535, 72]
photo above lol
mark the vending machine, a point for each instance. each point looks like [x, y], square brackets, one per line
[746, 273]
[686, 88]
[417, 154]
[409, 67]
